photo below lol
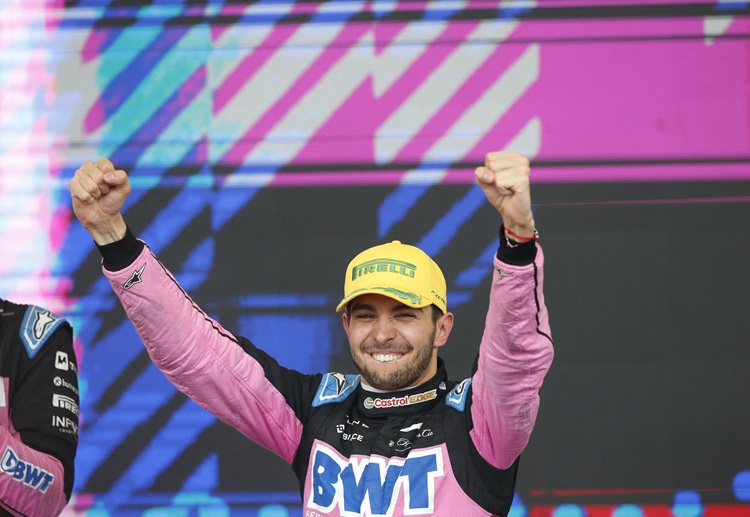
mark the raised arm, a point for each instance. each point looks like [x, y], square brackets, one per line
[224, 374]
[516, 349]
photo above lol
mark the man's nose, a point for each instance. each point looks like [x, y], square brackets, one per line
[384, 331]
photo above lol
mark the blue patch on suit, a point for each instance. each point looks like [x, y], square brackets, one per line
[457, 396]
[37, 326]
[335, 387]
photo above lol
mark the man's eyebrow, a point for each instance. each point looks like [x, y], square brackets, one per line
[403, 306]
[395, 308]
[362, 307]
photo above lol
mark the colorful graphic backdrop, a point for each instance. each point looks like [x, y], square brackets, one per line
[270, 141]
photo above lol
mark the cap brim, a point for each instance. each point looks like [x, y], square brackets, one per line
[390, 292]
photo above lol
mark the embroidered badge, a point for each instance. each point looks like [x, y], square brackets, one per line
[37, 326]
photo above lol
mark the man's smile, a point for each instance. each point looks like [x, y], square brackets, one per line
[385, 357]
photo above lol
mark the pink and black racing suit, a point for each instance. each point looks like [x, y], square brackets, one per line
[38, 411]
[443, 448]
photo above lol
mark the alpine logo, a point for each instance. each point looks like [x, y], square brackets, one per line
[135, 278]
[406, 400]
[374, 485]
[24, 472]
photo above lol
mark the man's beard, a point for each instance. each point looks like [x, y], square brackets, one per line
[405, 377]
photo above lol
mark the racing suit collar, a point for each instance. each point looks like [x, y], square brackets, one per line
[404, 402]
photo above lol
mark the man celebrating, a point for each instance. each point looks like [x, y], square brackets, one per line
[38, 410]
[400, 438]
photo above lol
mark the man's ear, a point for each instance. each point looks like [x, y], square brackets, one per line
[444, 326]
[345, 322]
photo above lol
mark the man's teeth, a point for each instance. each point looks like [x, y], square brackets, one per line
[385, 358]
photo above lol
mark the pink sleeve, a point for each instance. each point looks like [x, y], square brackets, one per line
[515, 354]
[31, 482]
[201, 358]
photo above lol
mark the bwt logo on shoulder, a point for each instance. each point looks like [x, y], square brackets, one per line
[375, 485]
[24, 472]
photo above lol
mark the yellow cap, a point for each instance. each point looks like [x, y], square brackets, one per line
[399, 271]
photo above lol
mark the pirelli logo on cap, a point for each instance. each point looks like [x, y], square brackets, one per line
[399, 271]
[384, 265]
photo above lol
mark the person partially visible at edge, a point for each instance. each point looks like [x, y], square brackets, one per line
[38, 411]
[400, 438]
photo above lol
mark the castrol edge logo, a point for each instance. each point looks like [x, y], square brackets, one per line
[406, 400]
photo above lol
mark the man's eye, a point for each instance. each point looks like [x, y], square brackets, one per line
[406, 315]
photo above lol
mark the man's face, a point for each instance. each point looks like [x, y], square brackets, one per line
[393, 345]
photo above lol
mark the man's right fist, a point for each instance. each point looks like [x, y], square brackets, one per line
[98, 192]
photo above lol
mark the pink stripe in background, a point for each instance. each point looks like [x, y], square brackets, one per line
[250, 64]
[635, 173]
[644, 99]
[346, 38]
[608, 95]
[542, 174]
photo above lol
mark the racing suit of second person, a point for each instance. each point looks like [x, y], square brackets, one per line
[38, 411]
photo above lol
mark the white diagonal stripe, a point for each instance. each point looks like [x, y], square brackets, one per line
[402, 52]
[473, 125]
[437, 89]
[476, 121]
[715, 26]
[527, 142]
[268, 85]
[291, 134]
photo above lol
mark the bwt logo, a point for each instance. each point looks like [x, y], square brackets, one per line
[25, 472]
[373, 486]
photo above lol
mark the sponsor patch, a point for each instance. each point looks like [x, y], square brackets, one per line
[457, 396]
[503, 274]
[135, 278]
[37, 326]
[62, 362]
[374, 485]
[65, 424]
[335, 387]
[60, 382]
[406, 400]
[64, 402]
[25, 472]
